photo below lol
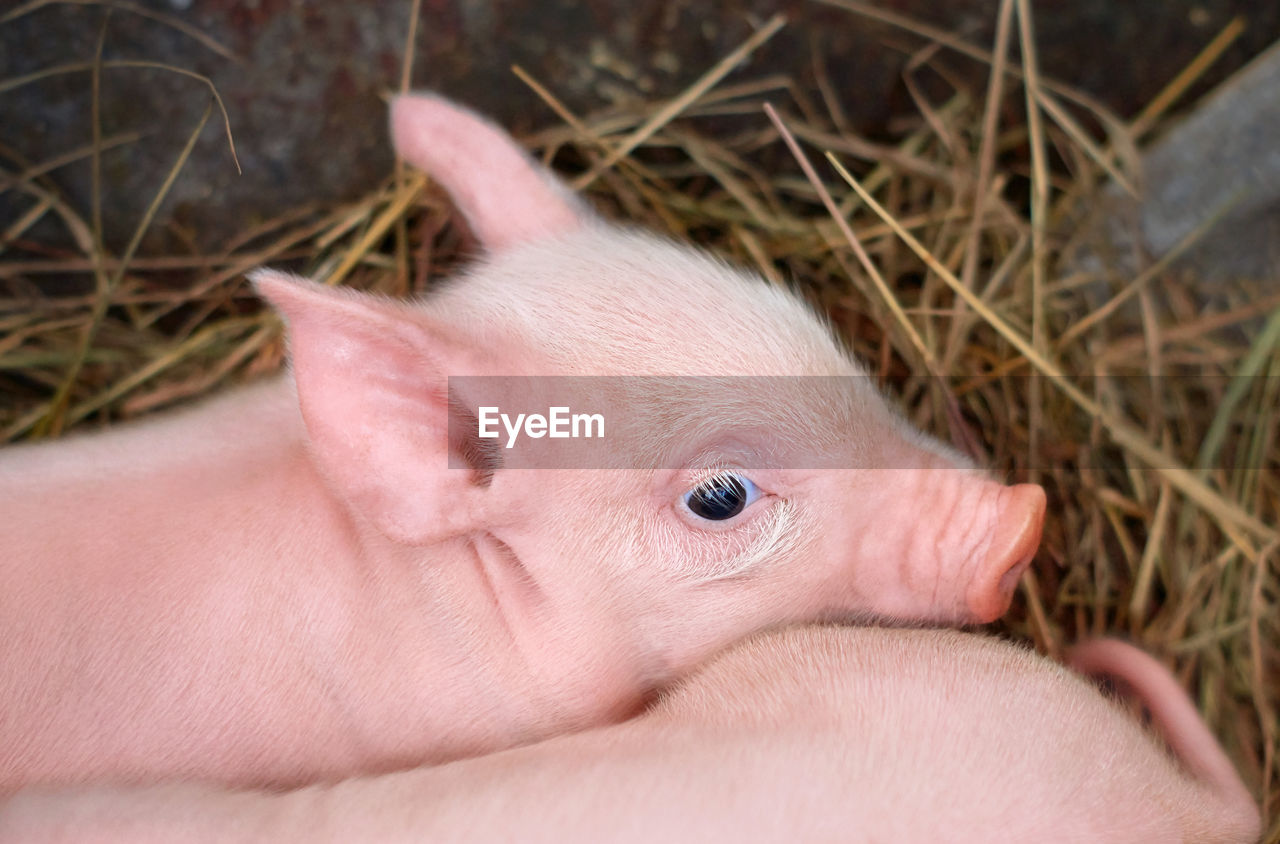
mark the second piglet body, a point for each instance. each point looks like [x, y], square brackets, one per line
[804, 735]
[290, 584]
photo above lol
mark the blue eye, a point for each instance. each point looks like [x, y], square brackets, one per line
[721, 497]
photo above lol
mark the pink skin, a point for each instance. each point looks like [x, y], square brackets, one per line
[287, 584]
[811, 734]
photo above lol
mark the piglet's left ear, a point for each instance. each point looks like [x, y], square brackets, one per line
[506, 197]
[372, 378]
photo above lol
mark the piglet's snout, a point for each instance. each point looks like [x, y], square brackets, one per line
[937, 543]
[1019, 521]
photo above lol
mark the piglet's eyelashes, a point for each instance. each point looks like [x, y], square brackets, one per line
[721, 497]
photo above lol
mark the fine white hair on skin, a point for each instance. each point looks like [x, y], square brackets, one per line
[776, 537]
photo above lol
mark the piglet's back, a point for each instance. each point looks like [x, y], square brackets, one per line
[914, 735]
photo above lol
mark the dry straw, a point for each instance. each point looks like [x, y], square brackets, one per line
[940, 255]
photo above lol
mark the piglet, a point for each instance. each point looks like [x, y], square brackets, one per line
[335, 573]
[810, 734]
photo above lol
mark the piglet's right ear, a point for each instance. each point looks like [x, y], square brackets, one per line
[506, 197]
[372, 378]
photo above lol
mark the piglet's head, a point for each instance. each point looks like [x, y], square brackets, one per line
[742, 507]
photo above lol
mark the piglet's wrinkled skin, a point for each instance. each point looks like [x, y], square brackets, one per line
[817, 734]
[288, 584]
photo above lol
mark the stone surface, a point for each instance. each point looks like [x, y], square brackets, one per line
[1225, 156]
[304, 95]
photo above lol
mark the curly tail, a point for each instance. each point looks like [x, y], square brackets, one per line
[1173, 714]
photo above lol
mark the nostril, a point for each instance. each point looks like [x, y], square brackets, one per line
[1015, 540]
[1025, 514]
[1009, 580]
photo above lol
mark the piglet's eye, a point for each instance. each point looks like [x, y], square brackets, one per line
[721, 497]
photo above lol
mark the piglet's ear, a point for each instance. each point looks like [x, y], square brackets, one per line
[372, 380]
[506, 197]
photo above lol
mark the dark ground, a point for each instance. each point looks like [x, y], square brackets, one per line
[309, 123]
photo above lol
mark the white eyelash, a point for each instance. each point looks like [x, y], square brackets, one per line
[715, 473]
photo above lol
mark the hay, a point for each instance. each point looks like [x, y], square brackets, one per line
[945, 267]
